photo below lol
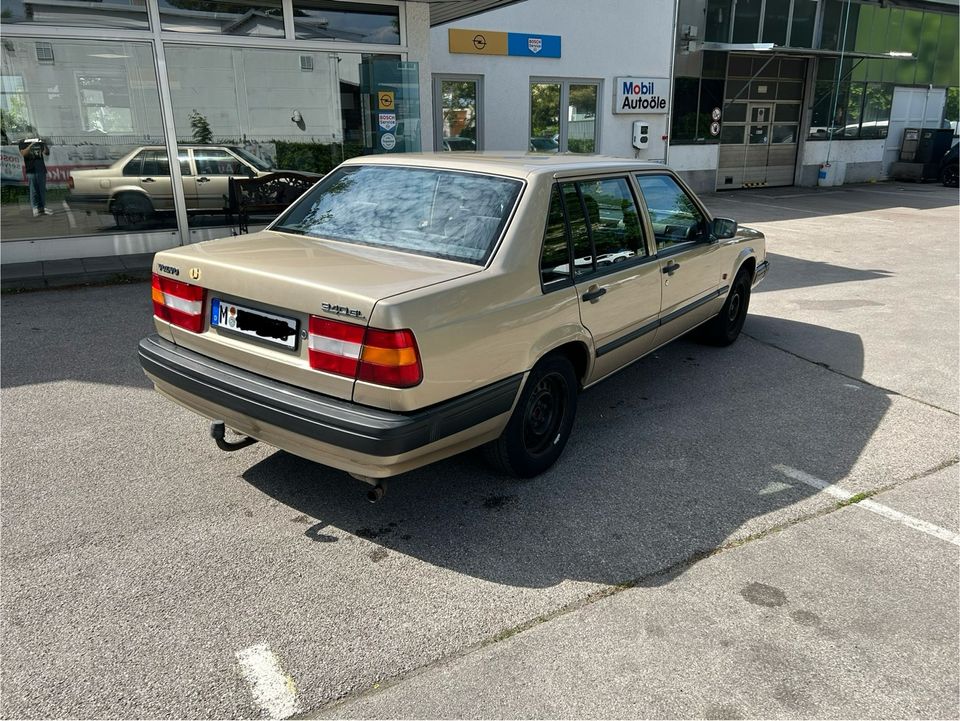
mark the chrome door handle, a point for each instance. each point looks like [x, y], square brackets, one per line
[203, 180]
[147, 180]
[594, 293]
[671, 268]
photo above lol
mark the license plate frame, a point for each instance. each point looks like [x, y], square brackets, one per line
[254, 324]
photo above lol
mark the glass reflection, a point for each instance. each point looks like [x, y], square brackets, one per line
[73, 114]
[261, 19]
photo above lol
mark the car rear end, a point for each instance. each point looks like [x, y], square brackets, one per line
[272, 333]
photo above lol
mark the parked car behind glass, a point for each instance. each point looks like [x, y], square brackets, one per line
[138, 184]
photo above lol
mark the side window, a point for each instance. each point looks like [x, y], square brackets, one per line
[555, 259]
[184, 163]
[217, 162]
[675, 217]
[155, 163]
[133, 166]
[614, 222]
[579, 231]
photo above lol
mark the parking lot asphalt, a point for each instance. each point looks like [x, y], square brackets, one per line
[680, 560]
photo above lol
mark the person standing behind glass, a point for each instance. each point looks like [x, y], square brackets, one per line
[33, 151]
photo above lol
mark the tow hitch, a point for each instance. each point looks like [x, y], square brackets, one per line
[218, 432]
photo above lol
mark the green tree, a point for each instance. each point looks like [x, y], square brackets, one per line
[200, 127]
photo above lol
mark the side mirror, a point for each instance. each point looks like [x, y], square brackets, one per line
[723, 228]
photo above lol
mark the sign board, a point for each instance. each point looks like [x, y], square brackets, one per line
[714, 128]
[388, 141]
[387, 121]
[385, 100]
[641, 96]
[494, 42]
[715, 114]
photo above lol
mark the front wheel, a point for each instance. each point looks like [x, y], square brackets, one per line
[949, 176]
[541, 422]
[726, 326]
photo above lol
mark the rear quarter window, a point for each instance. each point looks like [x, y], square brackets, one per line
[438, 213]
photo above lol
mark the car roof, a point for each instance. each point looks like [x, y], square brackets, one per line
[516, 164]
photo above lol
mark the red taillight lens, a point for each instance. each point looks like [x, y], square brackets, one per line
[335, 346]
[178, 303]
[389, 358]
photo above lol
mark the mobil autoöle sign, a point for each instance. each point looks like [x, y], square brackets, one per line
[641, 95]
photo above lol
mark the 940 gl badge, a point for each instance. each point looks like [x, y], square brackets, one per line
[340, 310]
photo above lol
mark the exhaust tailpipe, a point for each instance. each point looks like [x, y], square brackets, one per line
[376, 493]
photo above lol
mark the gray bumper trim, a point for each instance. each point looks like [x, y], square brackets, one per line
[329, 420]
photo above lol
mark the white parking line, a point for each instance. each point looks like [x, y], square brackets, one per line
[868, 505]
[272, 689]
[70, 218]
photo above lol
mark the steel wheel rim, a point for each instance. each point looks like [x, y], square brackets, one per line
[544, 414]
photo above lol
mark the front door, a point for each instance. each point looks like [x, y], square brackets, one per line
[687, 259]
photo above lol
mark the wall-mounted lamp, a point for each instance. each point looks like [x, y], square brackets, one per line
[296, 117]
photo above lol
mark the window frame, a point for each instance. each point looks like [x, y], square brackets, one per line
[563, 130]
[679, 247]
[602, 271]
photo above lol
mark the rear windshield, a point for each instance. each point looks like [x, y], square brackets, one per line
[439, 213]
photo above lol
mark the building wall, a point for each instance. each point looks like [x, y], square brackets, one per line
[600, 40]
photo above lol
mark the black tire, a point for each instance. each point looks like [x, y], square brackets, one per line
[541, 422]
[131, 209]
[725, 328]
[949, 176]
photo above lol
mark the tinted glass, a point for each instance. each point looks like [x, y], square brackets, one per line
[775, 21]
[582, 119]
[155, 163]
[350, 22]
[134, 164]
[544, 117]
[614, 222]
[675, 217]
[123, 14]
[437, 213]
[579, 233]
[217, 162]
[555, 259]
[263, 19]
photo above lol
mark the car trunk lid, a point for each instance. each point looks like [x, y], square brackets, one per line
[277, 281]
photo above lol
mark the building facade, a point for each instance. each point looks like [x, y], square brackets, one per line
[760, 92]
[228, 87]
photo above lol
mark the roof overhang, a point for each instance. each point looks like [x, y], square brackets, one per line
[445, 11]
[804, 52]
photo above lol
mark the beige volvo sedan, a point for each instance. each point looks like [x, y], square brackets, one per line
[410, 307]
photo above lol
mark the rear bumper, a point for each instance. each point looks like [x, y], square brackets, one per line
[203, 384]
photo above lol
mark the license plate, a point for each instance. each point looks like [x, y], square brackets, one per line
[254, 323]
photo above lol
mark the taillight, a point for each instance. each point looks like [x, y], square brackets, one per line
[385, 357]
[177, 302]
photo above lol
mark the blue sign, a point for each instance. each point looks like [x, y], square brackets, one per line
[533, 46]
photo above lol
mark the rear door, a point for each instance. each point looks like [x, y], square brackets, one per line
[689, 264]
[613, 268]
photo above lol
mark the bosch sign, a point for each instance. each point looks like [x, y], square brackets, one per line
[641, 95]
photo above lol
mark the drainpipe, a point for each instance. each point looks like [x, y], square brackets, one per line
[836, 95]
[673, 60]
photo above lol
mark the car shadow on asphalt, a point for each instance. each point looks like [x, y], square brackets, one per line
[787, 272]
[669, 459]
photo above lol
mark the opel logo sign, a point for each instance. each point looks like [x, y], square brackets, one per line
[479, 42]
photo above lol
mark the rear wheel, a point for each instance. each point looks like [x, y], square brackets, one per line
[130, 209]
[541, 422]
[726, 326]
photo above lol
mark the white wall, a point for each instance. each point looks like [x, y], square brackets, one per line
[847, 151]
[418, 45]
[600, 40]
[694, 157]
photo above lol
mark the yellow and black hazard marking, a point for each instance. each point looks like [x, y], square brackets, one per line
[757, 184]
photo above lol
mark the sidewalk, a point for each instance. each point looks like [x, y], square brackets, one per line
[75, 271]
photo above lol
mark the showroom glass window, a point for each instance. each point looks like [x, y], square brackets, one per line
[263, 19]
[93, 104]
[563, 116]
[350, 22]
